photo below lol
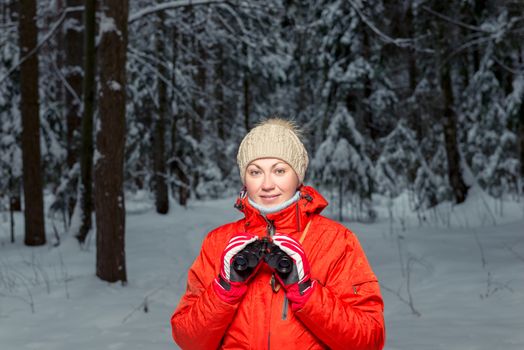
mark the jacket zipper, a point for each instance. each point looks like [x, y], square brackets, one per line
[297, 215]
[270, 229]
[269, 328]
[284, 308]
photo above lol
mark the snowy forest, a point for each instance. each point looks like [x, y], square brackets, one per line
[104, 103]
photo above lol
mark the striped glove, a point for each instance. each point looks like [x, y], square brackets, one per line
[296, 279]
[236, 269]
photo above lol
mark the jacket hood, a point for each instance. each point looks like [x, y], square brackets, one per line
[289, 220]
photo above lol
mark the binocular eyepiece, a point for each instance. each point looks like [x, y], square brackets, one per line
[250, 256]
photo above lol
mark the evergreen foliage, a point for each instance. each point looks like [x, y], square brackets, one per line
[362, 77]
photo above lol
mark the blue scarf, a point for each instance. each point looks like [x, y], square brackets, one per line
[270, 210]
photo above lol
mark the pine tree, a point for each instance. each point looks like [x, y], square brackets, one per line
[341, 163]
[110, 141]
[29, 107]
[398, 161]
[86, 148]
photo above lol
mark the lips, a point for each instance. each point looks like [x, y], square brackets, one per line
[269, 197]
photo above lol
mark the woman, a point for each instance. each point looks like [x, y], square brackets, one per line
[284, 276]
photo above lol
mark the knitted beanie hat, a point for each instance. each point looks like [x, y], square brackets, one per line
[274, 138]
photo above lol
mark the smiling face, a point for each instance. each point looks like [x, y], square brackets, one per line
[270, 181]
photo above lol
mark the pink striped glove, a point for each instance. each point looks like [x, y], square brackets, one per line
[297, 282]
[231, 284]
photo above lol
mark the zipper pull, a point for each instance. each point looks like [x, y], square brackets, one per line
[270, 228]
[275, 286]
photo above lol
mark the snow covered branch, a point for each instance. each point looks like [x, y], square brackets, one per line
[169, 5]
[46, 37]
[400, 42]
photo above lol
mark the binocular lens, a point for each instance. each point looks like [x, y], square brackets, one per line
[240, 263]
[284, 265]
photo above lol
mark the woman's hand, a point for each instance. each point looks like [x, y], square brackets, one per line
[231, 283]
[297, 282]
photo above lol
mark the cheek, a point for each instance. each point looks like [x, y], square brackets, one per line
[289, 183]
[252, 185]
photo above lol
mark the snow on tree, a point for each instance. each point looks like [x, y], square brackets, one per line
[398, 161]
[340, 163]
[490, 147]
[10, 127]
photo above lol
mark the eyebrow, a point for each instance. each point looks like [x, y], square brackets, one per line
[274, 165]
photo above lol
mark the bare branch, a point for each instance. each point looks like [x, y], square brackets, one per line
[48, 36]
[454, 21]
[466, 45]
[400, 42]
[66, 84]
[169, 5]
[517, 71]
[8, 25]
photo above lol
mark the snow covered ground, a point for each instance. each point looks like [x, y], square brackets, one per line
[451, 280]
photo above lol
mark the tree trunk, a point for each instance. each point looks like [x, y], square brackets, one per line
[363, 110]
[86, 153]
[176, 170]
[219, 94]
[183, 188]
[160, 179]
[32, 170]
[198, 102]
[15, 189]
[449, 123]
[9, 15]
[246, 87]
[199, 106]
[12, 203]
[73, 76]
[176, 154]
[409, 31]
[521, 136]
[110, 141]
[340, 199]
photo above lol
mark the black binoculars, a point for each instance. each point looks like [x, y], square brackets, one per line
[250, 257]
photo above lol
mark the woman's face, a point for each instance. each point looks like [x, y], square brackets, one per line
[270, 181]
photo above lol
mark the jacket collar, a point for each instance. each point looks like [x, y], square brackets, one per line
[287, 221]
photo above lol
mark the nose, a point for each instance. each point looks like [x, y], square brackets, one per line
[268, 184]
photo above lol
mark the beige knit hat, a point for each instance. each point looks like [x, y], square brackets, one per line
[274, 138]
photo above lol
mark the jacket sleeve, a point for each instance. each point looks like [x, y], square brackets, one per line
[201, 318]
[347, 312]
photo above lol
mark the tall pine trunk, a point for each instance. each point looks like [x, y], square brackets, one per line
[176, 168]
[219, 94]
[73, 94]
[110, 140]
[246, 88]
[175, 165]
[449, 122]
[29, 107]
[86, 152]
[159, 145]
[521, 137]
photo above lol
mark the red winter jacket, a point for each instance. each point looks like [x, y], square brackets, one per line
[345, 310]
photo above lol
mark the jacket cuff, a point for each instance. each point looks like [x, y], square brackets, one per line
[299, 294]
[229, 292]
